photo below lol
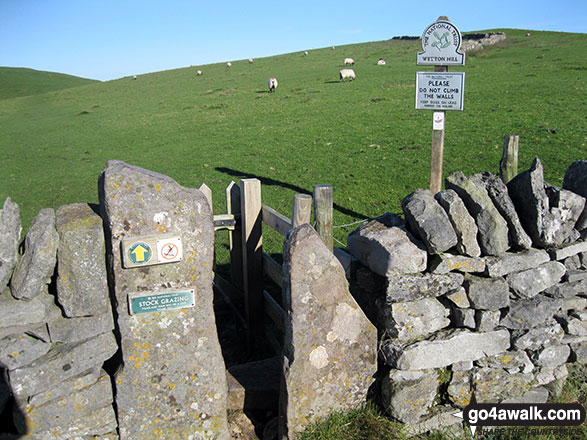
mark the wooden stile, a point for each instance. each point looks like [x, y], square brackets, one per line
[251, 224]
[323, 206]
[276, 220]
[235, 239]
[208, 194]
[301, 210]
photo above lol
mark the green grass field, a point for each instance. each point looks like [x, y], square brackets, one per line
[363, 137]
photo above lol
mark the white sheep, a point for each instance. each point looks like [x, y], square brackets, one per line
[229, 64]
[199, 72]
[272, 84]
[251, 61]
[306, 53]
[347, 73]
[381, 62]
[348, 61]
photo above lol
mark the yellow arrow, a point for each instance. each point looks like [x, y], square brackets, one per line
[139, 253]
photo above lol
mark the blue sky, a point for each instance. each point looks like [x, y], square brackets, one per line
[109, 39]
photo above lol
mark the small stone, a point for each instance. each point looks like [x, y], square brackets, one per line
[429, 221]
[386, 247]
[529, 313]
[445, 263]
[407, 321]
[412, 287]
[459, 390]
[552, 356]
[462, 222]
[16, 351]
[9, 239]
[408, 395]
[487, 293]
[464, 317]
[486, 320]
[493, 385]
[77, 329]
[515, 262]
[550, 333]
[459, 298]
[531, 282]
[34, 270]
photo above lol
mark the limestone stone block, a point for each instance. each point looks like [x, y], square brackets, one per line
[19, 350]
[487, 293]
[408, 395]
[568, 250]
[576, 180]
[9, 240]
[486, 320]
[552, 356]
[459, 298]
[492, 385]
[62, 411]
[529, 313]
[448, 347]
[407, 321]
[445, 263]
[547, 213]
[82, 288]
[22, 315]
[77, 329]
[515, 262]
[463, 317]
[462, 222]
[413, 287]
[549, 333]
[531, 282]
[429, 221]
[34, 270]
[459, 389]
[61, 363]
[513, 361]
[386, 247]
[498, 193]
[329, 344]
[173, 378]
[493, 234]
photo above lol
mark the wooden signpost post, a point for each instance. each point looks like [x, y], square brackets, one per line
[440, 90]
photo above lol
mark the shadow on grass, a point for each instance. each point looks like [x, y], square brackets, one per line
[272, 182]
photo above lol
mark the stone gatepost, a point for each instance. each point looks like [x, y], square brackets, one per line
[329, 345]
[172, 382]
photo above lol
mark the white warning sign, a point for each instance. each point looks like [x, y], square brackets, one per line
[169, 250]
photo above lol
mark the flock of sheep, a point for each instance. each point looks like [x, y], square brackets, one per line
[343, 73]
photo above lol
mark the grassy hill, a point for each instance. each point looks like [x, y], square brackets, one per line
[15, 82]
[363, 137]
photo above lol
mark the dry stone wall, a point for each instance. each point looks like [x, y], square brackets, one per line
[502, 319]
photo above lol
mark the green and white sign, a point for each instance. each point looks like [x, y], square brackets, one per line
[440, 90]
[151, 249]
[441, 42]
[161, 301]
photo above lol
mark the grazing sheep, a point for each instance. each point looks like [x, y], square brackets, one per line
[251, 61]
[306, 53]
[349, 61]
[229, 64]
[199, 72]
[134, 77]
[381, 62]
[347, 73]
[272, 84]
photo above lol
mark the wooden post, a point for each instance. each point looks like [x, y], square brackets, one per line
[437, 153]
[323, 202]
[208, 194]
[235, 240]
[508, 166]
[301, 210]
[251, 224]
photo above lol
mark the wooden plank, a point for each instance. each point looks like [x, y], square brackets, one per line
[323, 206]
[235, 240]
[508, 166]
[208, 193]
[274, 310]
[273, 270]
[251, 224]
[277, 221]
[301, 212]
